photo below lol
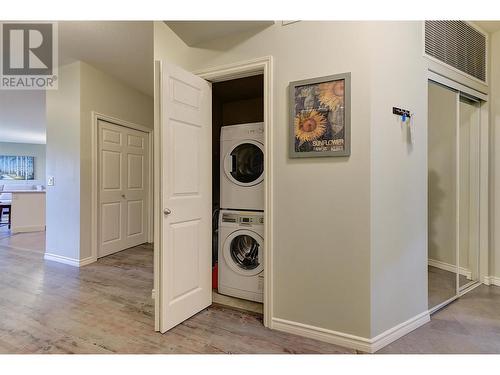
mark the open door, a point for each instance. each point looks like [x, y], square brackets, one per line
[186, 195]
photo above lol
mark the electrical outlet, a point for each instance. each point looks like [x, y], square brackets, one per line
[51, 181]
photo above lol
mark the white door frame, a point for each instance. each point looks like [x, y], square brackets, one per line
[96, 116]
[263, 65]
[157, 194]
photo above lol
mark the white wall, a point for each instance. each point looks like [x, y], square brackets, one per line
[398, 175]
[322, 217]
[82, 89]
[331, 269]
[26, 149]
[22, 116]
[63, 162]
[106, 95]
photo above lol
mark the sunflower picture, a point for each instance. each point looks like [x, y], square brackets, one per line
[309, 125]
[331, 94]
[321, 116]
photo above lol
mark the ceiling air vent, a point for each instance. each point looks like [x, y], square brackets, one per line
[457, 44]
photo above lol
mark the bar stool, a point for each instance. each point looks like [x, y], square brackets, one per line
[6, 205]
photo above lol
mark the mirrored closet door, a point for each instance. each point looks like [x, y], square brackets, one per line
[442, 194]
[469, 120]
[453, 193]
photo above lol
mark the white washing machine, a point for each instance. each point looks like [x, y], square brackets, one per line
[242, 167]
[241, 258]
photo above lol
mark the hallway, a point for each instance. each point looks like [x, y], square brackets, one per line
[106, 307]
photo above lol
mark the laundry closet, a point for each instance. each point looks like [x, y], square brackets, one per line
[238, 193]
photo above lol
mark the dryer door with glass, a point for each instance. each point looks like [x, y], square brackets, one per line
[244, 163]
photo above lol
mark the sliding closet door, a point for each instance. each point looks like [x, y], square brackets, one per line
[469, 125]
[442, 194]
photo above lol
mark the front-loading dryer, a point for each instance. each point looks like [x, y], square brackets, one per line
[241, 257]
[242, 167]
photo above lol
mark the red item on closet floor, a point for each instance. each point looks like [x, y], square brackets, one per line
[215, 278]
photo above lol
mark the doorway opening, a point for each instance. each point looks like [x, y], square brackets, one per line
[454, 196]
[238, 193]
[184, 134]
[23, 148]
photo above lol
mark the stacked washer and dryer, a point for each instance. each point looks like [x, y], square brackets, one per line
[241, 218]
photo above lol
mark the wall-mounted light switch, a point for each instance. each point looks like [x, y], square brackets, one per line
[51, 181]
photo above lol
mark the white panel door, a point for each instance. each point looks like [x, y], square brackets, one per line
[123, 188]
[186, 238]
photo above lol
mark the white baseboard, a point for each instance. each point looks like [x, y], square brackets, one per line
[450, 268]
[394, 333]
[333, 337]
[88, 260]
[351, 341]
[69, 261]
[492, 280]
[26, 229]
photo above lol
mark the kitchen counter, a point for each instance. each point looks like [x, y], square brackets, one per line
[21, 191]
[28, 210]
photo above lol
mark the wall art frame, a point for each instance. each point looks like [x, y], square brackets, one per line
[320, 116]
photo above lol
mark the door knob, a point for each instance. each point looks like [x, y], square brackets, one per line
[123, 196]
[167, 211]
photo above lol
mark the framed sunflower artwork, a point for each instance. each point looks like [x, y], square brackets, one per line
[321, 116]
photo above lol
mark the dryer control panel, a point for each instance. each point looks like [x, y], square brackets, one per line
[242, 219]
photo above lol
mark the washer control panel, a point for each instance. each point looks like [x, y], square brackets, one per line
[242, 219]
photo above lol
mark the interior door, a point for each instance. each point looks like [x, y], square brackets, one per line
[123, 188]
[186, 158]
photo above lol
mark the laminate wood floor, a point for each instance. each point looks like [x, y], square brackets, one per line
[106, 307]
[34, 241]
[470, 325]
[4, 230]
[237, 303]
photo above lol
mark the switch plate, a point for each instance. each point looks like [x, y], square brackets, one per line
[51, 181]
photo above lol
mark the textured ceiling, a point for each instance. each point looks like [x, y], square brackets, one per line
[198, 32]
[123, 49]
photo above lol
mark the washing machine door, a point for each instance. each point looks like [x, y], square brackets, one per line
[244, 163]
[243, 252]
